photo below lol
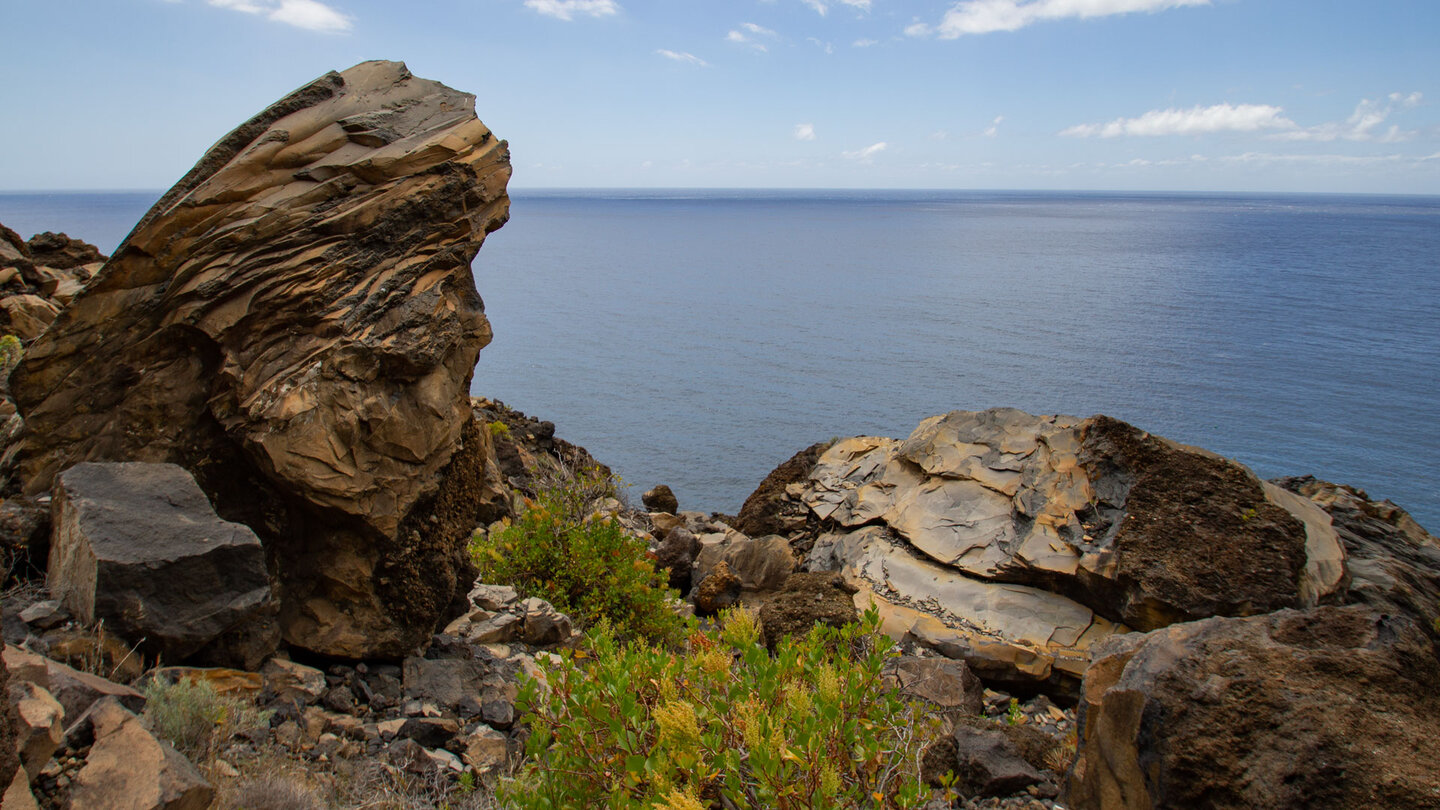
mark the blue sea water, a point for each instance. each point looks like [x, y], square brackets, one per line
[700, 338]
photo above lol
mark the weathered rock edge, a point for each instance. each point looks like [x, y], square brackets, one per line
[296, 323]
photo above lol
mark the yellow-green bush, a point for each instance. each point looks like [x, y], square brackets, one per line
[588, 568]
[632, 726]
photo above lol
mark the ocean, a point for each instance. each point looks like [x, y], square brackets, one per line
[699, 338]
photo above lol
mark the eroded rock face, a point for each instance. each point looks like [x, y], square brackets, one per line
[296, 323]
[1324, 708]
[1392, 562]
[1017, 541]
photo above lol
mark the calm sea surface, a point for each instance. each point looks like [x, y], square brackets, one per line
[700, 338]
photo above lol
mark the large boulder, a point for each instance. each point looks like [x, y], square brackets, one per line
[1324, 708]
[1016, 541]
[296, 323]
[138, 547]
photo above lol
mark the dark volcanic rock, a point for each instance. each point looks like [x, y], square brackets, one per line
[676, 555]
[1198, 537]
[660, 499]
[803, 601]
[138, 547]
[985, 762]
[1325, 708]
[769, 510]
[297, 324]
[9, 759]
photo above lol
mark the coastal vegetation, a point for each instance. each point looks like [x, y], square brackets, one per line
[561, 549]
[814, 725]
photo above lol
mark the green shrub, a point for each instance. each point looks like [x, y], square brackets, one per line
[498, 428]
[813, 726]
[588, 568]
[189, 713]
[11, 351]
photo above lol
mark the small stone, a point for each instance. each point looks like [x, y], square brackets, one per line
[543, 624]
[496, 630]
[485, 749]
[44, 615]
[493, 597]
[719, 590]
[226, 769]
[291, 681]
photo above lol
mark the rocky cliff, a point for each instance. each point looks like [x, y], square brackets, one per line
[296, 323]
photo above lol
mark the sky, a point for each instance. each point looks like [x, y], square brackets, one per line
[1162, 95]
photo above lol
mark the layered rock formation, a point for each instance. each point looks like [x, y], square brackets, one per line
[296, 324]
[1017, 541]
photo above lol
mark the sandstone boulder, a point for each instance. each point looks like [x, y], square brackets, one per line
[41, 727]
[946, 684]
[128, 769]
[771, 509]
[1323, 708]
[297, 324]
[139, 547]
[1016, 541]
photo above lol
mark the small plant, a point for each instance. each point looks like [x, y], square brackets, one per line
[274, 793]
[11, 350]
[594, 571]
[1014, 715]
[726, 723]
[498, 428]
[189, 714]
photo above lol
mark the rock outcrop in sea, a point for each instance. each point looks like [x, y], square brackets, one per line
[296, 324]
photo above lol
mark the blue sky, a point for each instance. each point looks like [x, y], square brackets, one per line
[1239, 95]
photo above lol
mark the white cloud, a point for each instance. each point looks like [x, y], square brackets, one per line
[311, 15]
[683, 56]
[987, 16]
[747, 40]
[1195, 121]
[1361, 125]
[994, 126]
[867, 154]
[818, 5]
[567, 9]
[804, 132]
[864, 43]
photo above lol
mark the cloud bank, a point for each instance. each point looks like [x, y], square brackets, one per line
[311, 15]
[683, 57]
[989, 16]
[1194, 121]
[567, 9]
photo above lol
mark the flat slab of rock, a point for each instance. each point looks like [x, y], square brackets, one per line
[139, 547]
